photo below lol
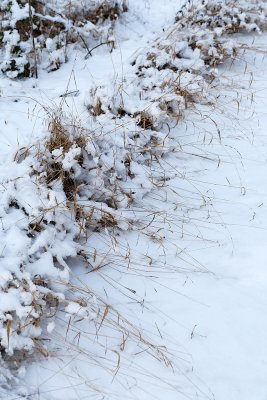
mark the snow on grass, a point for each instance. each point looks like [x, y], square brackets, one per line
[72, 197]
[44, 32]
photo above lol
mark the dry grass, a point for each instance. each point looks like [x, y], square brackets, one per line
[107, 318]
[103, 12]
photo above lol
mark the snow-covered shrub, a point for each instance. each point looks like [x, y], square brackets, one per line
[32, 268]
[177, 70]
[39, 32]
[206, 25]
[88, 179]
[54, 195]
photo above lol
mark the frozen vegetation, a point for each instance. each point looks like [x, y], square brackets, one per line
[126, 129]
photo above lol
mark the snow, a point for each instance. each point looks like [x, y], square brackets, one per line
[199, 287]
[51, 327]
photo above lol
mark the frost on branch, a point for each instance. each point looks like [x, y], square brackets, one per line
[44, 33]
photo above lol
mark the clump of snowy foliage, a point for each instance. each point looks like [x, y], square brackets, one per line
[39, 32]
[87, 179]
[178, 68]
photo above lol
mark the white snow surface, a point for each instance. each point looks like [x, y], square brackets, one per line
[201, 292]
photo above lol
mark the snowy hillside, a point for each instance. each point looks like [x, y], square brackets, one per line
[133, 204]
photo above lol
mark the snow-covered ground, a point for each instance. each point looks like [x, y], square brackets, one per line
[203, 291]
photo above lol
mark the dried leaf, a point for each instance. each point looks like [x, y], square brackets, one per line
[8, 329]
